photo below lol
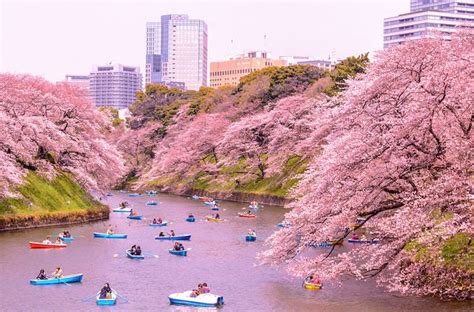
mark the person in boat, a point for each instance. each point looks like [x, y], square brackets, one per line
[58, 273]
[180, 246]
[42, 275]
[47, 240]
[65, 234]
[252, 232]
[313, 279]
[105, 292]
[162, 234]
[154, 221]
[160, 221]
[132, 213]
[217, 216]
[195, 293]
[110, 230]
[172, 233]
[249, 213]
[354, 236]
[190, 215]
[133, 249]
[176, 246]
[205, 289]
[138, 251]
[58, 240]
[363, 237]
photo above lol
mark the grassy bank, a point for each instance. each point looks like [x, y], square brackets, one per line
[42, 202]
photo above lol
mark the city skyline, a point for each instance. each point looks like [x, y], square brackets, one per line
[73, 37]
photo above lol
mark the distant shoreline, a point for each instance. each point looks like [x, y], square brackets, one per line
[48, 219]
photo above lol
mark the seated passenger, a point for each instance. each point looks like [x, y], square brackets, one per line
[133, 249]
[58, 273]
[154, 221]
[47, 241]
[205, 289]
[41, 275]
[162, 234]
[160, 220]
[138, 251]
[110, 230]
[105, 292]
[172, 233]
[354, 236]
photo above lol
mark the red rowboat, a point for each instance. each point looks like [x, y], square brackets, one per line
[243, 215]
[41, 245]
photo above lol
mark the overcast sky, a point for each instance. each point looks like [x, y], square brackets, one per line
[53, 38]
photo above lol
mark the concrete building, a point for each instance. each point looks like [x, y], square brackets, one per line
[294, 59]
[229, 72]
[323, 64]
[183, 51]
[81, 81]
[153, 53]
[427, 17]
[115, 85]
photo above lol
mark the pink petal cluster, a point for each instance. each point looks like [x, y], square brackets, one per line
[49, 128]
[399, 154]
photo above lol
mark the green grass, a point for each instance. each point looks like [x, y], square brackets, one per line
[38, 195]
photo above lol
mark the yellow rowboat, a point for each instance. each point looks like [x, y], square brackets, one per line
[312, 286]
[213, 219]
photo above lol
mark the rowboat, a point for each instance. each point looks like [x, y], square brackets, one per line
[122, 210]
[190, 219]
[210, 203]
[195, 197]
[363, 241]
[178, 252]
[250, 238]
[312, 286]
[254, 207]
[152, 203]
[151, 192]
[164, 223]
[66, 239]
[106, 301]
[283, 225]
[214, 219]
[105, 235]
[137, 257]
[202, 300]
[133, 195]
[41, 245]
[325, 244]
[65, 279]
[243, 215]
[110, 194]
[176, 237]
[215, 208]
[135, 217]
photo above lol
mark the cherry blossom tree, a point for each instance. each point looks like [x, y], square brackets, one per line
[399, 155]
[49, 128]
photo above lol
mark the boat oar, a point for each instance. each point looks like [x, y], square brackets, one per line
[66, 283]
[126, 300]
[150, 255]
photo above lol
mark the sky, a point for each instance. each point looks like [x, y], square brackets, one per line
[53, 38]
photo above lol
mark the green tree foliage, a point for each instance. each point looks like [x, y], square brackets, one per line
[346, 69]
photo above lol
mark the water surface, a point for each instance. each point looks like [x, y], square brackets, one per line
[219, 256]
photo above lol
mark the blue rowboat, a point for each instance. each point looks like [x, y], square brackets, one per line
[76, 278]
[176, 237]
[106, 301]
[190, 219]
[164, 223]
[250, 238]
[136, 257]
[202, 300]
[105, 235]
[110, 194]
[321, 245]
[283, 225]
[135, 217]
[215, 208]
[365, 241]
[152, 203]
[178, 252]
[133, 195]
[66, 239]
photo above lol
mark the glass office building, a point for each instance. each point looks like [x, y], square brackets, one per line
[426, 18]
[114, 85]
[153, 53]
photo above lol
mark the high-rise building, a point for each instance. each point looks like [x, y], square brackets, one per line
[427, 17]
[229, 72]
[183, 51]
[115, 85]
[153, 53]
